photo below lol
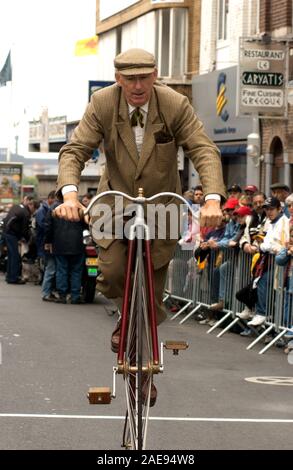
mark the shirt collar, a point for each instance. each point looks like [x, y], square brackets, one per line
[277, 218]
[131, 108]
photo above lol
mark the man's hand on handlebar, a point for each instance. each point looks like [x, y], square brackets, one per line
[71, 209]
[211, 214]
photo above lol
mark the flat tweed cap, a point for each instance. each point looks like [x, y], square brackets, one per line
[280, 186]
[135, 62]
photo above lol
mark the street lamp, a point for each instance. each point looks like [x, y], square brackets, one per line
[253, 148]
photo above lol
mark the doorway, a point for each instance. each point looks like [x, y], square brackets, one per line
[277, 152]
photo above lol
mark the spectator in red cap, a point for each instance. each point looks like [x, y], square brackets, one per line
[228, 209]
[231, 203]
[243, 211]
[249, 191]
[241, 214]
[228, 241]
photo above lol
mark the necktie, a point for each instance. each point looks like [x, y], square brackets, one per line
[137, 118]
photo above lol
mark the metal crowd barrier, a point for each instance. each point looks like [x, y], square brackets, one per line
[181, 279]
[197, 283]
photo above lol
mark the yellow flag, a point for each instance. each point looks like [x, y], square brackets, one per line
[87, 46]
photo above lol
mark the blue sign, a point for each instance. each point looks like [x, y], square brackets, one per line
[95, 85]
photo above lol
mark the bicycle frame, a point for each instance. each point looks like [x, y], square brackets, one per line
[139, 230]
[130, 351]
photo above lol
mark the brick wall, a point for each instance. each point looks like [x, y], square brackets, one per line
[194, 32]
[185, 90]
[276, 18]
[275, 14]
[278, 128]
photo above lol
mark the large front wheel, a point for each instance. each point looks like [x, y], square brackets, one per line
[138, 361]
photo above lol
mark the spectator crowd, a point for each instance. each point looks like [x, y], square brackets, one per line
[51, 252]
[44, 249]
[260, 227]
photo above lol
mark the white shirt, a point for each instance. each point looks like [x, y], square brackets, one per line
[277, 235]
[138, 130]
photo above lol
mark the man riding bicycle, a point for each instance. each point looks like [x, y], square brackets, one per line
[142, 123]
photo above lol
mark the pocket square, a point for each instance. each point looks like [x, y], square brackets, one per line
[162, 137]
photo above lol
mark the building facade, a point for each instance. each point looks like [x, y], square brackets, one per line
[168, 29]
[223, 25]
[276, 22]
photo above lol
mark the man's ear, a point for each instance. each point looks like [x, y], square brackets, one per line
[117, 78]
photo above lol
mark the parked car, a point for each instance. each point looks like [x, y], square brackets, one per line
[91, 268]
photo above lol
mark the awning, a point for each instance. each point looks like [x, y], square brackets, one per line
[235, 149]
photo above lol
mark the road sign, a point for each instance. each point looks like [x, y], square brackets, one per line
[262, 78]
[261, 97]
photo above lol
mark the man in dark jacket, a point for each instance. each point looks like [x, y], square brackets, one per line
[64, 240]
[46, 259]
[17, 227]
[40, 222]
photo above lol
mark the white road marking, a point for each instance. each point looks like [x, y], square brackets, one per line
[152, 418]
[275, 380]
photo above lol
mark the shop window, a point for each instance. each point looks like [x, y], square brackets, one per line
[222, 19]
[234, 169]
[171, 41]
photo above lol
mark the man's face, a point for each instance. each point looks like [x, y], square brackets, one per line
[31, 206]
[198, 196]
[241, 219]
[227, 214]
[257, 203]
[272, 212]
[85, 201]
[137, 89]
[249, 196]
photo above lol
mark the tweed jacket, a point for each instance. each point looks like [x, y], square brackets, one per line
[171, 122]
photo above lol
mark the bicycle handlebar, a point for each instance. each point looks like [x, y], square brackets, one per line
[138, 200]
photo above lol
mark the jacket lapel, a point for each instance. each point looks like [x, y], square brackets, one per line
[125, 130]
[153, 125]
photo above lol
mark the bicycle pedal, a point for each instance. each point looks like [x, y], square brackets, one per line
[176, 346]
[99, 395]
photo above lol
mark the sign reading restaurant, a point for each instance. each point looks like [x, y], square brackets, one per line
[262, 78]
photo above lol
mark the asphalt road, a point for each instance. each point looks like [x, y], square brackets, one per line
[52, 353]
